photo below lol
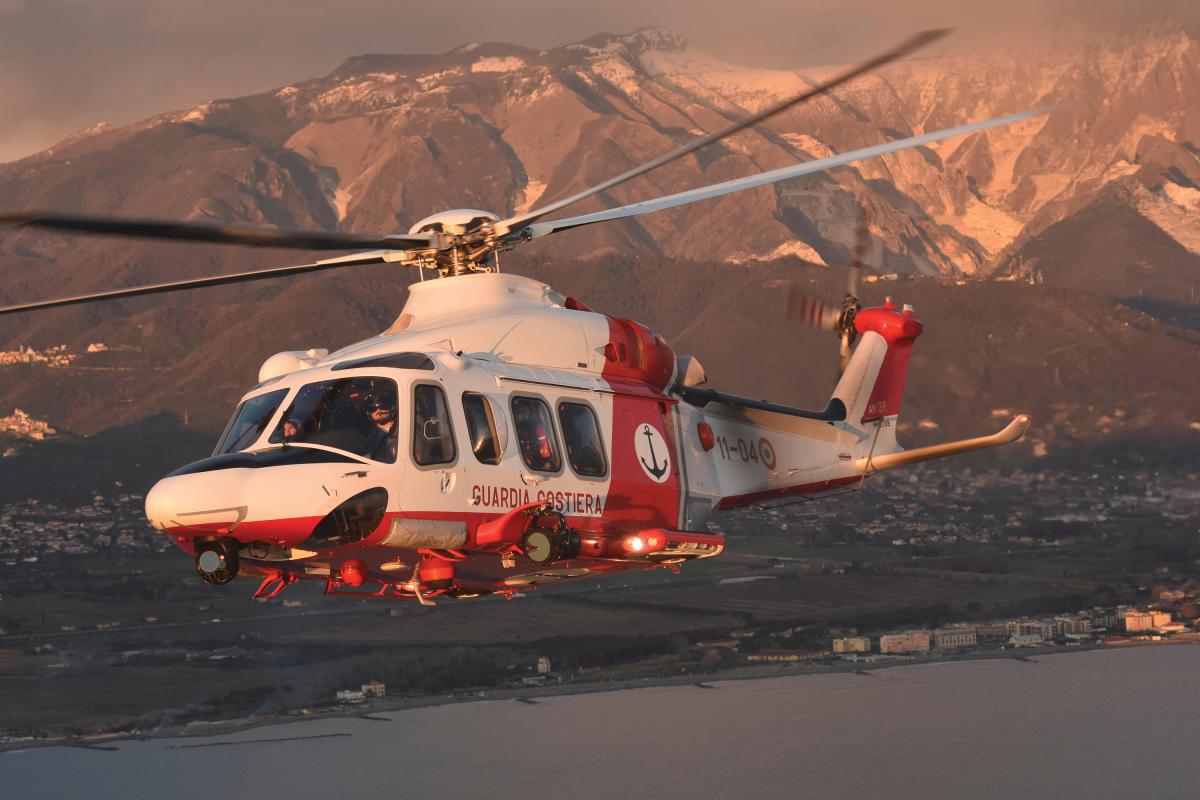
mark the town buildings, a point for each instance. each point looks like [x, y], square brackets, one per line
[1150, 620]
[1073, 625]
[1039, 629]
[904, 642]
[23, 426]
[852, 644]
[954, 637]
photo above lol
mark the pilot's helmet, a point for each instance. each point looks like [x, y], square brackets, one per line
[385, 400]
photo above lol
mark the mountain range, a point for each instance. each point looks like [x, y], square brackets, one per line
[1094, 203]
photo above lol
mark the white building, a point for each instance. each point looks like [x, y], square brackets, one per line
[1073, 625]
[1146, 620]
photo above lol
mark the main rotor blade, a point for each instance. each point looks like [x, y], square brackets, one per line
[216, 234]
[916, 42]
[763, 178]
[358, 259]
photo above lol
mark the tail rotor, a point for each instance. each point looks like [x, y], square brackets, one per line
[815, 313]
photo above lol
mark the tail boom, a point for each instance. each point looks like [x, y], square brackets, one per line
[764, 453]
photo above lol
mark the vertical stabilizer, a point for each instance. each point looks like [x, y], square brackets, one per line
[873, 383]
[855, 386]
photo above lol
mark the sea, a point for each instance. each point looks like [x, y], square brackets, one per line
[1117, 723]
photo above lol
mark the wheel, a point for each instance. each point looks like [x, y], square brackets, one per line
[217, 561]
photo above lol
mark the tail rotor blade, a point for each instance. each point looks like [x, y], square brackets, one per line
[862, 241]
[809, 311]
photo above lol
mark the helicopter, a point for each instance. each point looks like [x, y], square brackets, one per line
[499, 435]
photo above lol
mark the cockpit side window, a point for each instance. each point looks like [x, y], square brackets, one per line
[481, 428]
[433, 441]
[535, 434]
[357, 415]
[249, 421]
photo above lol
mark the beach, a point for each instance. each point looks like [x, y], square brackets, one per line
[1100, 723]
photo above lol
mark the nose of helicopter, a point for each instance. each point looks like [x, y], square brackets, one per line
[159, 503]
[286, 505]
[204, 503]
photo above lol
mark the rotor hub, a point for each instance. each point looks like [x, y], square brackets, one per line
[456, 221]
[469, 240]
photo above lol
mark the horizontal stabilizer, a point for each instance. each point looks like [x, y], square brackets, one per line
[834, 411]
[1013, 431]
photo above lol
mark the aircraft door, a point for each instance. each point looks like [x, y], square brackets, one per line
[434, 482]
[645, 470]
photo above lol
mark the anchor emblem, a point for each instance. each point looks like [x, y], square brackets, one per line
[653, 468]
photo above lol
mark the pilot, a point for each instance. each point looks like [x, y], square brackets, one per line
[381, 440]
[291, 429]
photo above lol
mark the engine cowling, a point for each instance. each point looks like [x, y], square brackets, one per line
[290, 361]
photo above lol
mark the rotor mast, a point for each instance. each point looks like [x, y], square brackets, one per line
[463, 240]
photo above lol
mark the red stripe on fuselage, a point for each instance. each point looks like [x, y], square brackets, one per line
[817, 488]
[641, 370]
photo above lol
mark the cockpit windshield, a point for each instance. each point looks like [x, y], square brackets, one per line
[249, 421]
[357, 415]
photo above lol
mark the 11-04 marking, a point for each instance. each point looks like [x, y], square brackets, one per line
[747, 452]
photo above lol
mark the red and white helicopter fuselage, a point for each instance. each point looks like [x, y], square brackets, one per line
[529, 439]
[499, 435]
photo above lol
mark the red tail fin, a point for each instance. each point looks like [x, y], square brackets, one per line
[899, 329]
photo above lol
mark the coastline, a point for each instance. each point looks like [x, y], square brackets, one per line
[373, 710]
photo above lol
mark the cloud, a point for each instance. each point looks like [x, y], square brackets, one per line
[67, 64]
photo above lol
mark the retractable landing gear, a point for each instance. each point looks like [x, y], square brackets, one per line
[273, 584]
[217, 561]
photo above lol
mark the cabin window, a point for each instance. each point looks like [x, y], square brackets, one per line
[249, 421]
[581, 432]
[481, 428]
[433, 442]
[535, 434]
[357, 415]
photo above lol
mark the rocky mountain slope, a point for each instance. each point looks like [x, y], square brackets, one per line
[386, 139]
[1100, 194]
[1090, 371]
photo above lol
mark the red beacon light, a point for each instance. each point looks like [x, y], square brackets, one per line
[353, 572]
[707, 440]
[644, 542]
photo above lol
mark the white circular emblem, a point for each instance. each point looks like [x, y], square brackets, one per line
[651, 451]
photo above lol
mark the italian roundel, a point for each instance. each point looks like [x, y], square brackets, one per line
[651, 451]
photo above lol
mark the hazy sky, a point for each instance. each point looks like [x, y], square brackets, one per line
[68, 64]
